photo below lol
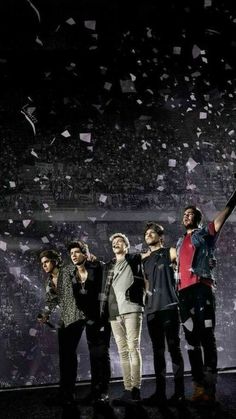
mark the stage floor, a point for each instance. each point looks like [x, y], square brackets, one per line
[30, 403]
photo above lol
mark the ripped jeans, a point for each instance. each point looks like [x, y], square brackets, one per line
[127, 333]
[197, 312]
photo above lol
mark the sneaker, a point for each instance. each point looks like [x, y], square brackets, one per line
[176, 400]
[136, 394]
[124, 399]
[154, 400]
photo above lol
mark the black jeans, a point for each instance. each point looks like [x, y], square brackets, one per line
[165, 324]
[98, 343]
[197, 310]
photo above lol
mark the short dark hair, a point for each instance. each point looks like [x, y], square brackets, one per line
[197, 213]
[78, 244]
[52, 255]
[154, 226]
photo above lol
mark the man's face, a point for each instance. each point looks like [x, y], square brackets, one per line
[118, 246]
[77, 257]
[151, 237]
[47, 264]
[189, 219]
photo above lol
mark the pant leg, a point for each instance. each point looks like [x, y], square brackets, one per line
[171, 327]
[68, 339]
[133, 325]
[157, 335]
[208, 341]
[191, 327]
[98, 338]
[199, 300]
[119, 332]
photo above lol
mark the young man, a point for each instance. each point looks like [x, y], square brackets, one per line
[195, 253]
[51, 263]
[162, 314]
[79, 289]
[123, 299]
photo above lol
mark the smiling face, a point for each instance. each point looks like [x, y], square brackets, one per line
[47, 264]
[77, 257]
[152, 238]
[119, 246]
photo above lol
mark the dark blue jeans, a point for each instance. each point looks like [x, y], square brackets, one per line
[165, 324]
[197, 311]
[98, 343]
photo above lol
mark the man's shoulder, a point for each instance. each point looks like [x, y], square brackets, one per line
[67, 270]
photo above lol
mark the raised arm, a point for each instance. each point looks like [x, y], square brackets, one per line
[225, 213]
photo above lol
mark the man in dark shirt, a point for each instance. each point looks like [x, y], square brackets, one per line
[79, 289]
[162, 314]
[195, 253]
[77, 292]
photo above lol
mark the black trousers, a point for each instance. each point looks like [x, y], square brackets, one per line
[165, 324]
[197, 310]
[98, 343]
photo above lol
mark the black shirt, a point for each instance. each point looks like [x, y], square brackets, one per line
[160, 275]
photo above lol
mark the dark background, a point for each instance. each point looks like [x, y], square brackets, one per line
[153, 84]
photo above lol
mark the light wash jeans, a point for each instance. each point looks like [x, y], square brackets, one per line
[127, 333]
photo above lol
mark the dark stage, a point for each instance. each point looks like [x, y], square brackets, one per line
[32, 403]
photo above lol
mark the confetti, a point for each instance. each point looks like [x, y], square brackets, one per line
[86, 137]
[65, 134]
[44, 239]
[90, 24]
[3, 245]
[172, 163]
[70, 21]
[26, 223]
[102, 198]
[191, 164]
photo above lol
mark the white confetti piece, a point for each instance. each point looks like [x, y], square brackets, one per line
[24, 247]
[188, 324]
[38, 41]
[44, 239]
[26, 223]
[191, 187]
[102, 198]
[202, 115]
[70, 21]
[3, 245]
[33, 332]
[107, 86]
[191, 164]
[12, 184]
[139, 247]
[196, 51]
[65, 134]
[172, 163]
[93, 219]
[90, 24]
[177, 50]
[86, 137]
[34, 154]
